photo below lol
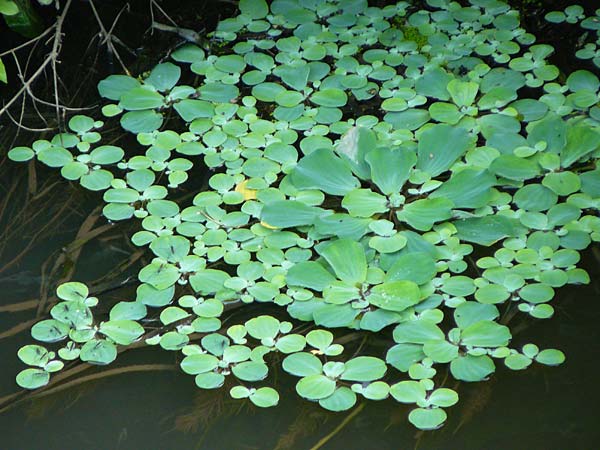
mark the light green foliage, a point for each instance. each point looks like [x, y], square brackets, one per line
[342, 219]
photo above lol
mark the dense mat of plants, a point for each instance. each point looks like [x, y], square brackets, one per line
[420, 172]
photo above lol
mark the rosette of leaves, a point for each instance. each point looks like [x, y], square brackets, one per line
[73, 154]
[72, 321]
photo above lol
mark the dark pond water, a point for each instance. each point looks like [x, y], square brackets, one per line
[161, 409]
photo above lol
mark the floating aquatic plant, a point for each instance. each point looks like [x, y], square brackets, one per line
[359, 157]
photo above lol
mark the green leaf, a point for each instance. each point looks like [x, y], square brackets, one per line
[315, 387]
[144, 121]
[347, 259]
[440, 146]
[417, 332]
[75, 314]
[302, 364]
[390, 168]
[21, 154]
[492, 293]
[209, 380]
[107, 154]
[290, 343]
[514, 168]
[98, 351]
[295, 75]
[263, 327]
[55, 156]
[122, 332]
[408, 391]
[3, 76]
[323, 170]
[463, 93]
[472, 368]
[289, 213]
[329, 97]
[33, 355]
[550, 357]
[190, 109]
[8, 8]
[487, 230]
[199, 363]
[250, 371]
[581, 140]
[341, 400]
[517, 361]
[486, 333]
[417, 267]
[32, 378]
[562, 183]
[49, 331]
[72, 291]
[141, 98]
[364, 368]
[535, 197]
[536, 293]
[256, 9]
[172, 314]
[364, 203]
[354, 146]
[469, 188]
[264, 397]
[159, 275]
[427, 419]
[208, 281]
[114, 86]
[149, 295]
[395, 295]
[170, 248]
[188, 53]
[583, 80]
[379, 390]
[440, 351]
[390, 244]
[468, 313]
[402, 356]
[238, 392]
[320, 339]
[422, 214]
[128, 311]
[96, 180]
[163, 76]
[309, 274]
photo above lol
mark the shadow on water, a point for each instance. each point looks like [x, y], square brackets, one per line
[159, 408]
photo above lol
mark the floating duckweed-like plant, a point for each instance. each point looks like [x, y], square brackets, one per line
[354, 169]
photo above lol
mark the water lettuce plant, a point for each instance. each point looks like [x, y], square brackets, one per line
[422, 173]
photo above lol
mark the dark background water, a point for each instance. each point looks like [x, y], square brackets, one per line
[539, 408]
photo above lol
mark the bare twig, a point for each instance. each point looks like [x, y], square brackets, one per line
[162, 11]
[107, 38]
[49, 60]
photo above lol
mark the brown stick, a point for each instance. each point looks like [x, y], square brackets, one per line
[50, 59]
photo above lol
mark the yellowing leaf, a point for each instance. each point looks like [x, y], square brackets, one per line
[249, 194]
[266, 225]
